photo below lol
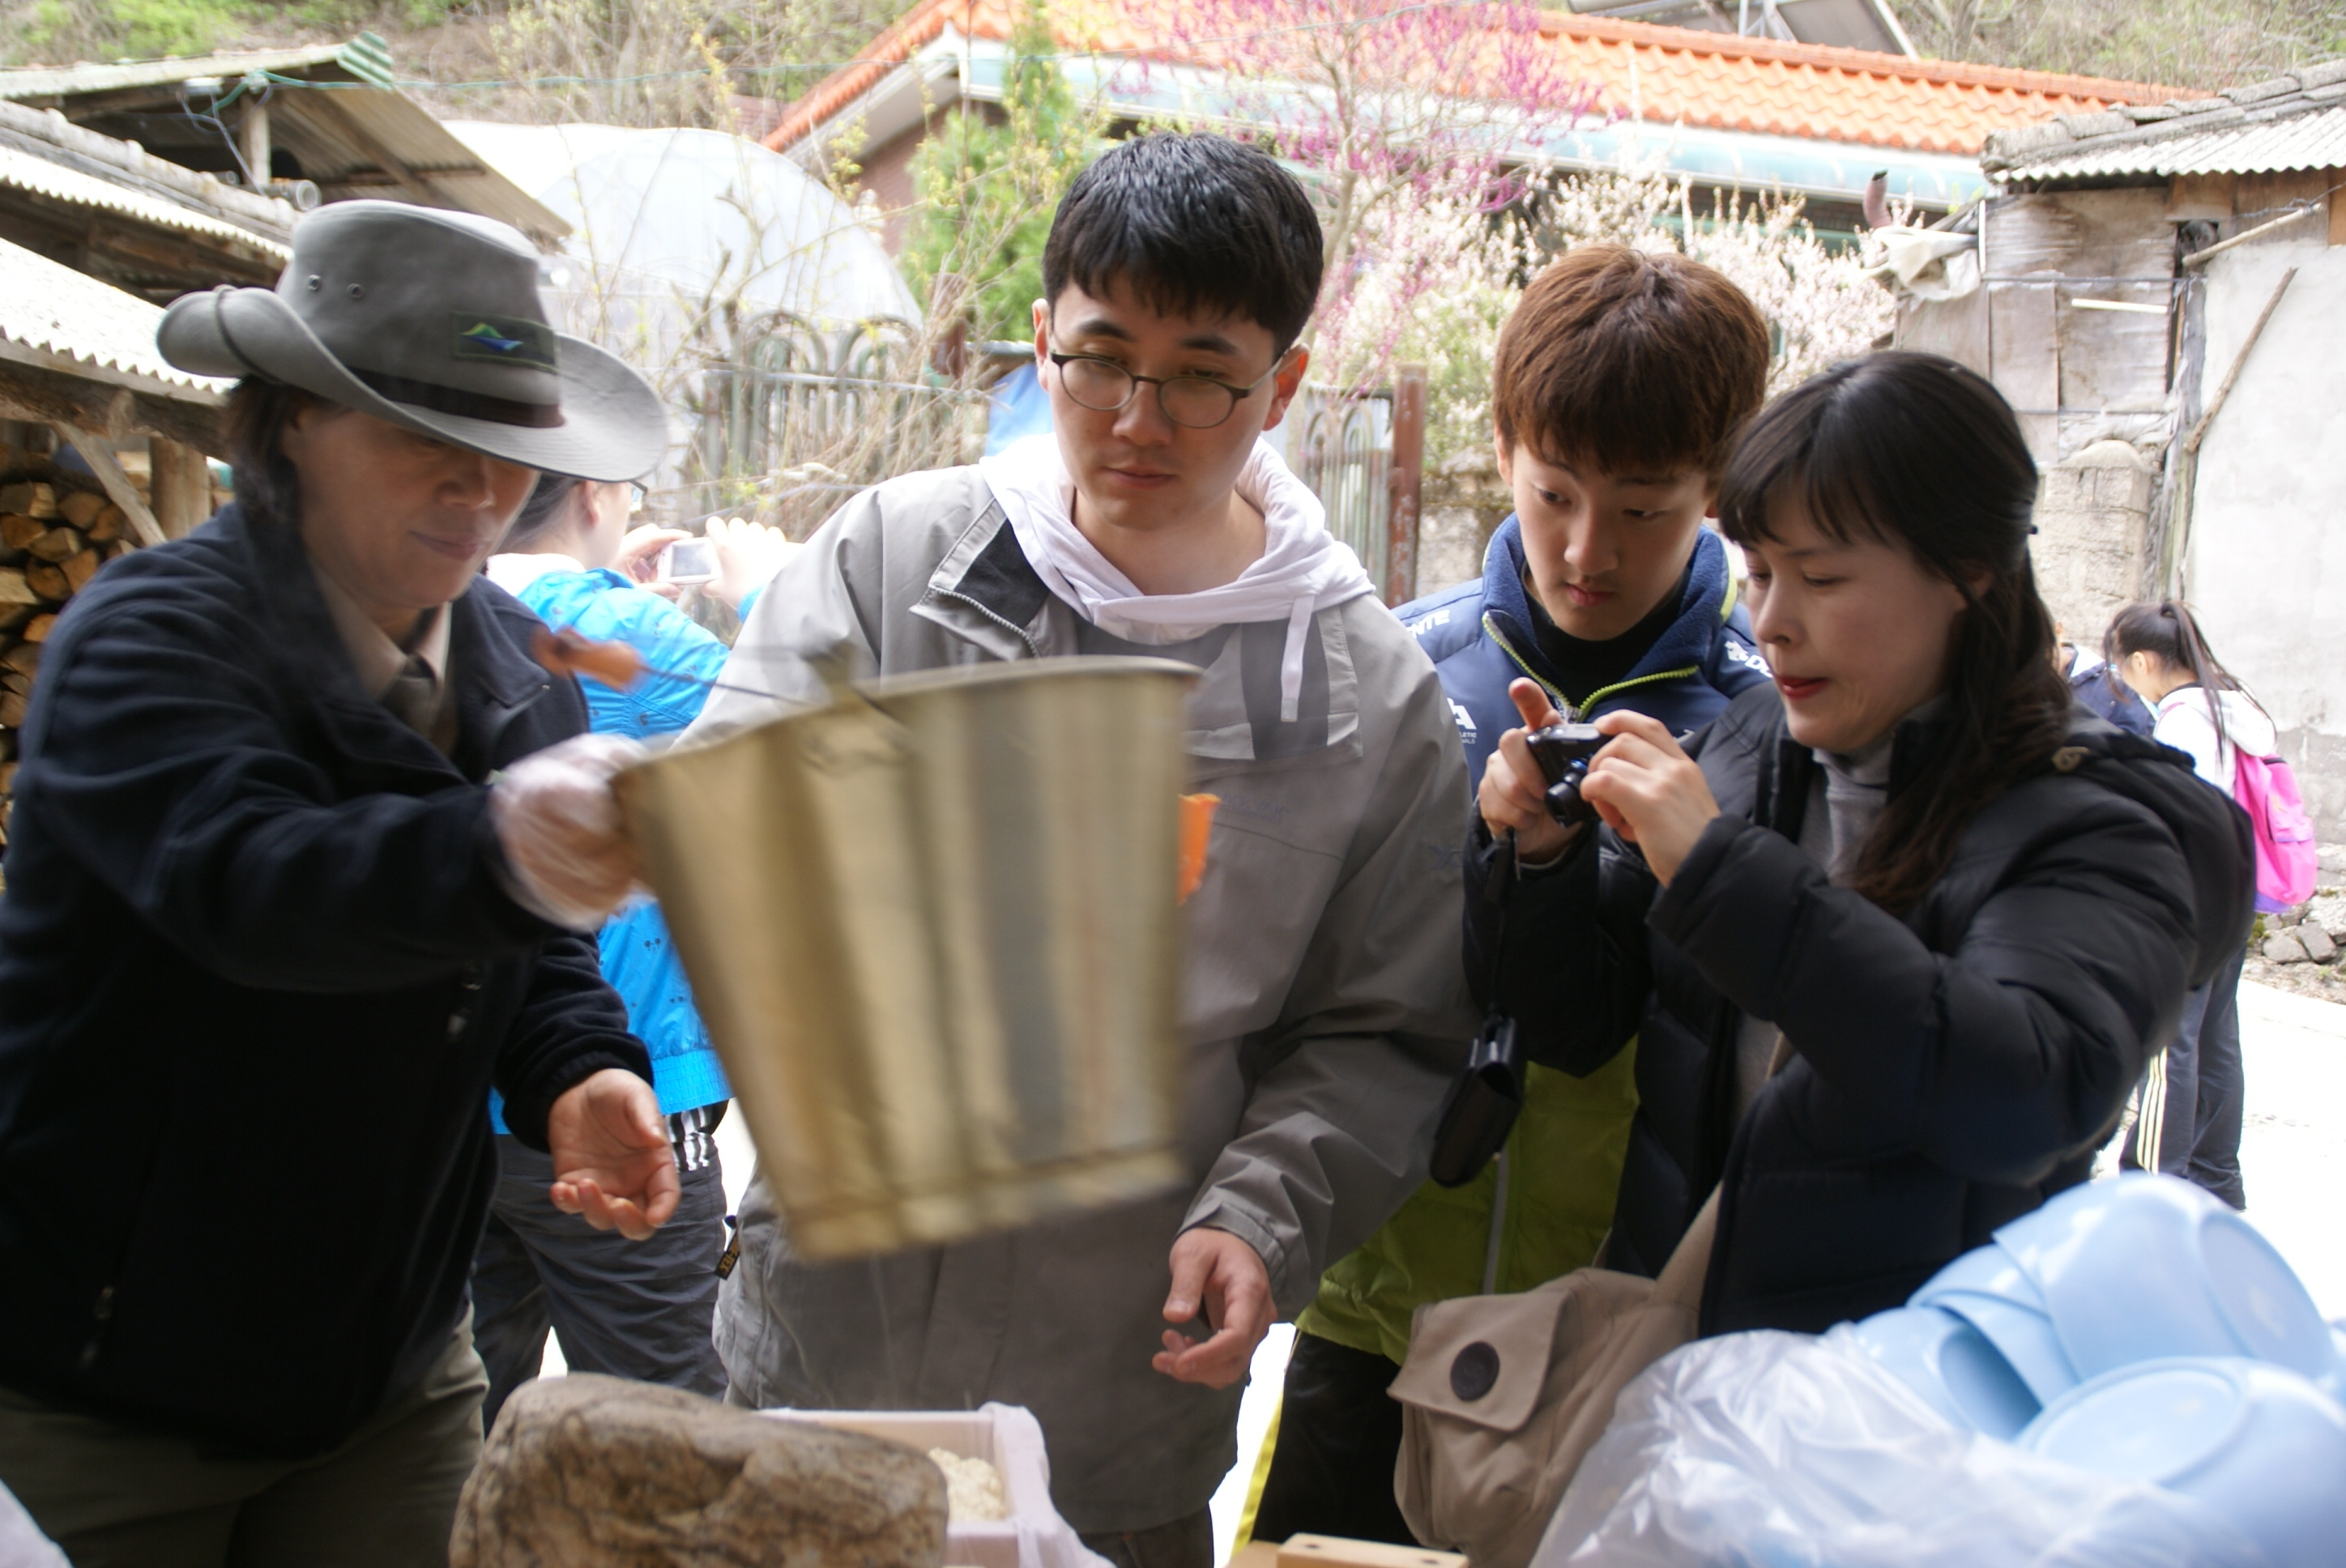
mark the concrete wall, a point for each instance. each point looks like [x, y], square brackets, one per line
[2267, 555]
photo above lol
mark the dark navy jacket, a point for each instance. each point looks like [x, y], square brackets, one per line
[258, 974]
[1479, 637]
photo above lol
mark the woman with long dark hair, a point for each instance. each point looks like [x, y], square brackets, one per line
[1896, 934]
[2188, 1122]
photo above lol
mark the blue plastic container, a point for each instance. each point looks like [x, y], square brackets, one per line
[2257, 1443]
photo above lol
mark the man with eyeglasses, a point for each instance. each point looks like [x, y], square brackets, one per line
[1324, 997]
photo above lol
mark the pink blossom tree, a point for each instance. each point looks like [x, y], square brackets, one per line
[1399, 114]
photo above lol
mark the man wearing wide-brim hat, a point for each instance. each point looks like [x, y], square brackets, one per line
[294, 880]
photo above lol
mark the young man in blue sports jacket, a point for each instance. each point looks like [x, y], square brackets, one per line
[1620, 383]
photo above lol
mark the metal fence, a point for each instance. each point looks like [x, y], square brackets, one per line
[799, 418]
[1342, 448]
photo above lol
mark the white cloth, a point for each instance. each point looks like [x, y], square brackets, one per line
[2186, 721]
[1304, 568]
[517, 570]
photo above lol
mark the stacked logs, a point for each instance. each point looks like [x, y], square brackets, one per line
[56, 529]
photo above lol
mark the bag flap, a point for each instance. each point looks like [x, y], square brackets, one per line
[1485, 1359]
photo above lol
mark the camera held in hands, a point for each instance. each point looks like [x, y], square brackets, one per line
[1563, 752]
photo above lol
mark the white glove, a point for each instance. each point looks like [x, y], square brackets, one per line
[559, 824]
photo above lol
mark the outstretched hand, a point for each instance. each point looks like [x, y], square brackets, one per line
[611, 1159]
[1649, 790]
[1219, 1274]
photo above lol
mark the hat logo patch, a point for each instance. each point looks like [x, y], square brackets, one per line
[504, 340]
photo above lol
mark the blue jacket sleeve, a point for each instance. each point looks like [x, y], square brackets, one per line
[606, 607]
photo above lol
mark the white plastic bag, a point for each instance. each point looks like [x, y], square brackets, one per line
[1790, 1451]
[22, 1544]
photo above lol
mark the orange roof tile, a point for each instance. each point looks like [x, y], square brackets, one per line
[1666, 75]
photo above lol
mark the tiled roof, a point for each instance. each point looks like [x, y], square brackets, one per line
[1667, 75]
[2293, 122]
[53, 316]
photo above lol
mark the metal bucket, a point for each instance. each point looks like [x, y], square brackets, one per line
[932, 930]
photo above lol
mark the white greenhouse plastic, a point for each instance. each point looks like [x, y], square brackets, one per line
[681, 238]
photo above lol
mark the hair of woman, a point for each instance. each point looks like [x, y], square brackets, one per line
[2168, 630]
[546, 507]
[259, 410]
[1918, 453]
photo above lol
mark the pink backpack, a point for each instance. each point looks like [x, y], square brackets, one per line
[2287, 857]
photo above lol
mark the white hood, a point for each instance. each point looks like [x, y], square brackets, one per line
[1304, 568]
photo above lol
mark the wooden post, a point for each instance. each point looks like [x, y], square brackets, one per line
[180, 482]
[2183, 475]
[252, 138]
[1405, 483]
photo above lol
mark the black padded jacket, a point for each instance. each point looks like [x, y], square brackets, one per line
[258, 974]
[1954, 1068]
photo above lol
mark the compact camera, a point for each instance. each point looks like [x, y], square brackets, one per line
[1563, 752]
[688, 561]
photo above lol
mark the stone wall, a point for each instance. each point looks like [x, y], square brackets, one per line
[2093, 525]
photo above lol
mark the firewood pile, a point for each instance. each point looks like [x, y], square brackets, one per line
[58, 529]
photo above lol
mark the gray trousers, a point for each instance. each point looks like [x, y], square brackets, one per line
[2193, 1095]
[639, 1310]
[117, 1497]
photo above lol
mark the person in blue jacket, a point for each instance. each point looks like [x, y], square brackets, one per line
[1620, 383]
[644, 1312]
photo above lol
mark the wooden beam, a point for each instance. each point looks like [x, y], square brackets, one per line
[94, 399]
[118, 488]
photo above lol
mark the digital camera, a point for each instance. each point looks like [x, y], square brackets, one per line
[1563, 752]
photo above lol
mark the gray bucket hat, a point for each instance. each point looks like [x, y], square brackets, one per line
[429, 320]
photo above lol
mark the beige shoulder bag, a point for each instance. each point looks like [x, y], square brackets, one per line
[1502, 1395]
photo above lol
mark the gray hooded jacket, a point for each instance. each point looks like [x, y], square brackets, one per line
[1324, 997]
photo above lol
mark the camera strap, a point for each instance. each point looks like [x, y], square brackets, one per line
[1485, 1099]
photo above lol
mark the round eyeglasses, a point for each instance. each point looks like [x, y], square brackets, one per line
[1195, 402]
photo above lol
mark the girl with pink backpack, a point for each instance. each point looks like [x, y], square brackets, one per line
[2189, 1123]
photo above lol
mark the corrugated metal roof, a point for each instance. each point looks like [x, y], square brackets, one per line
[77, 321]
[332, 107]
[28, 173]
[66, 81]
[2293, 122]
[48, 136]
[2316, 141]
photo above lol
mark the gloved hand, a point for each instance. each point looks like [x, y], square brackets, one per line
[560, 825]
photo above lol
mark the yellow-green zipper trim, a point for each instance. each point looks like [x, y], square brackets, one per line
[1565, 703]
